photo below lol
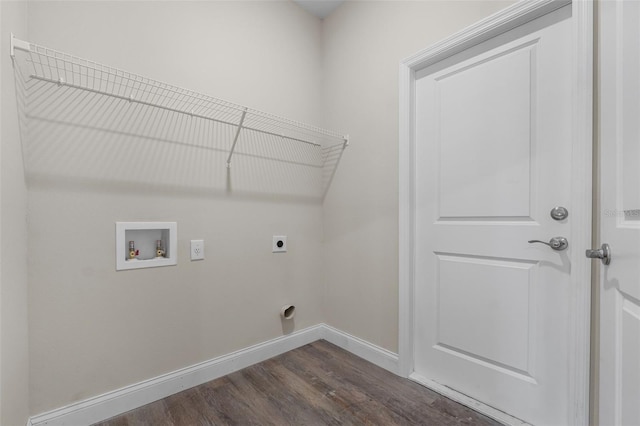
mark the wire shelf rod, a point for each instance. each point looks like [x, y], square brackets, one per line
[138, 84]
[155, 105]
[130, 99]
[132, 83]
[122, 79]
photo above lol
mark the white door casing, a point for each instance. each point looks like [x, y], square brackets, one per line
[480, 241]
[619, 378]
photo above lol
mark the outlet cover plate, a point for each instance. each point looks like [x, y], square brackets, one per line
[279, 244]
[197, 249]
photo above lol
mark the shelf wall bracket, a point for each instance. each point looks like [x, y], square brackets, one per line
[235, 139]
[18, 44]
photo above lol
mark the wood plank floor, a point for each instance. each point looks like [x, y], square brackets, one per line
[317, 384]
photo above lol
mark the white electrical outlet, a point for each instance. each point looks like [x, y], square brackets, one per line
[279, 243]
[197, 249]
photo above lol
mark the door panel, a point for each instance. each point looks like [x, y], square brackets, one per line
[495, 138]
[466, 286]
[493, 157]
[620, 213]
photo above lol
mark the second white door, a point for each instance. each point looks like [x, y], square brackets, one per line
[620, 213]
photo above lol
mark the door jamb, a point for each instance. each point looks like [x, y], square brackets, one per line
[581, 179]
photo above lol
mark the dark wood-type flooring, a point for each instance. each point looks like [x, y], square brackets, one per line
[317, 384]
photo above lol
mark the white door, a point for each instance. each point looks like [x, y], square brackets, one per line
[493, 157]
[620, 212]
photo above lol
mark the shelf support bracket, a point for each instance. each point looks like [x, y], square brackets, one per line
[18, 44]
[235, 139]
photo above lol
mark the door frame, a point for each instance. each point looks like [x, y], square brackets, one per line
[581, 184]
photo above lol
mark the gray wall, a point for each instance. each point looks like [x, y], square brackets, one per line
[14, 355]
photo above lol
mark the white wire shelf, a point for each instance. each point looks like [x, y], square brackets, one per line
[39, 68]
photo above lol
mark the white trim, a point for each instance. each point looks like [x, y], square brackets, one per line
[581, 201]
[505, 20]
[113, 403]
[467, 401]
[365, 350]
[119, 401]
[406, 266]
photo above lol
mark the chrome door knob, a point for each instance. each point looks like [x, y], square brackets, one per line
[556, 243]
[603, 253]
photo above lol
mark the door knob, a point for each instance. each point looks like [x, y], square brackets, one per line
[556, 243]
[603, 253]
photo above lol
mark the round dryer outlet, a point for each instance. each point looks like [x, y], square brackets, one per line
[279, 244]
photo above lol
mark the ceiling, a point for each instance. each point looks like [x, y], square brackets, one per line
[319, 8]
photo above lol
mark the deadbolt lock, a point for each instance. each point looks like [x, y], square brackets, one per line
[559, 213]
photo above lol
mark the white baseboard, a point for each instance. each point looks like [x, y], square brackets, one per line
[365, 350]
[113, 403]
[467, 401]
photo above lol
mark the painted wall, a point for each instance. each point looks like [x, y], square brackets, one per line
[363, 44]
[93, 329]
[14, 355]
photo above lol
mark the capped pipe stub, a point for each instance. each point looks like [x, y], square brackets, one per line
[287, 312]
